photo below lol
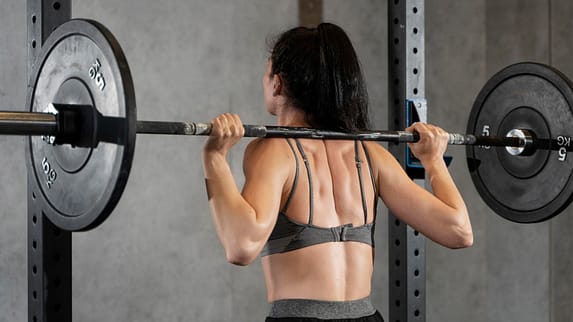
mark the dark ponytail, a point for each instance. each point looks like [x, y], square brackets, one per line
[322, 77]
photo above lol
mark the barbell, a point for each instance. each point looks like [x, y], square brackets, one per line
[81, 122]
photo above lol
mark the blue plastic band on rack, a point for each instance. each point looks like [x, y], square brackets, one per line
[413, 108]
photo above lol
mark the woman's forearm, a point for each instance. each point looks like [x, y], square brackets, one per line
[444, 188]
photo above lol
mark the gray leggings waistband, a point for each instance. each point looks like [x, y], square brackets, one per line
[301, 308]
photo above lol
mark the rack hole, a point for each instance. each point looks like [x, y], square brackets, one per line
[415, 92]
[415, 30]
[34, 219]
[57, 5]
[33, 18]
[416, 252]
[415, 10]
[415, 71]
[34, 244]
[396, 41]
[416, 273]
[415, 50]
[34, 295]
[34, 269]
[416, 293]
[33, 46]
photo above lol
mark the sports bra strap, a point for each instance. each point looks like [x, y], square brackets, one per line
[295, 180]
[371, 176]
[358, 161]
[310, 195]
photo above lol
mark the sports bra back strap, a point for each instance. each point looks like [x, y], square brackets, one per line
[370, 169]
[358, 161]
[307, 165]
[294, 182]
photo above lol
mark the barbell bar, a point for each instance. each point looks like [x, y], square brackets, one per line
[517, 141]
[47, 124]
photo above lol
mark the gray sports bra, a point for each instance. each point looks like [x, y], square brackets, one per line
[288, 235]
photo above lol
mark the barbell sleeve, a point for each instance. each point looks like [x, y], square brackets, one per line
[27, 123]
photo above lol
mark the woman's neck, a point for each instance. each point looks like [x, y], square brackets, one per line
[291, 116]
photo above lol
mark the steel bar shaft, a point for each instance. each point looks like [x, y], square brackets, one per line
[183, 128]
[188, 128]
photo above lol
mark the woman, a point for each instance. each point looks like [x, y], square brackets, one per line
[308, 206]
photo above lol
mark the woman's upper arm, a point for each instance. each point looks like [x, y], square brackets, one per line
[407, 200]
[267, 167]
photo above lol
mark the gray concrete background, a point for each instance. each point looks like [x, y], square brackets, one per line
[157, 257]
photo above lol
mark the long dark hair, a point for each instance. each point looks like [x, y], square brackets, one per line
[322, 76]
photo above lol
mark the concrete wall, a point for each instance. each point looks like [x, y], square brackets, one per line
[13, 252]
[455, 62]
[157, 257]
[561, 242]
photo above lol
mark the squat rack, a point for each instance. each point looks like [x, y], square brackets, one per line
[50, 248]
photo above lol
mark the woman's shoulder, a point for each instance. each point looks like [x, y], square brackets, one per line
[268, 150]
[266, 145]
[376, 149]
[380, 157]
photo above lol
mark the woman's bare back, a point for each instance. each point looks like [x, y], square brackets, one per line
[333, 271]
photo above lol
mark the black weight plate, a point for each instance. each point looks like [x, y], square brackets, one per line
[532, 188]
[82, 63]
